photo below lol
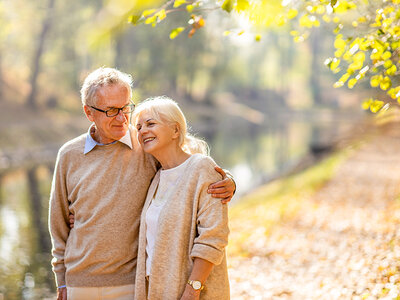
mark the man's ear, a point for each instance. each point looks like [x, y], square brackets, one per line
[88, 113]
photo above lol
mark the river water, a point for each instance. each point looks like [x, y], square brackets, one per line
[254, 152]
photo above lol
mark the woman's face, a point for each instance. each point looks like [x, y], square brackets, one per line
[155, 136]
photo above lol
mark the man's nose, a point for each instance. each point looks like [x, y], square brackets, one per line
[121, 116]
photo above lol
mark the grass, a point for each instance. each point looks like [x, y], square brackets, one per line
[252, 219]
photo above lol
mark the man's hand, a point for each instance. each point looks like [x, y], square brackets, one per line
[62, 293]
[222, 189]
[71, 220]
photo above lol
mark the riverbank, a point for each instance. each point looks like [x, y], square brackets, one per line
[331, 232]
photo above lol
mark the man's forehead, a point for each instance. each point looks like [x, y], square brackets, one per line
[113, 95]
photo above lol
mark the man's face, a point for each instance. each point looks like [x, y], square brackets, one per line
[109, 129]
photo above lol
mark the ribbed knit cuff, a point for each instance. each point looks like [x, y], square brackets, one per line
[208, 253]
[60, 279]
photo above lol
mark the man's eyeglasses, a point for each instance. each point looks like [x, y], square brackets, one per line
[113, 111]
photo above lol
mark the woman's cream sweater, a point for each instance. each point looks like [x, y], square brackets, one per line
[191, 224]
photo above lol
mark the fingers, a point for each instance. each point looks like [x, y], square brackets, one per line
[226, 200]
[71, 220]
[219, 184]
[220, 171]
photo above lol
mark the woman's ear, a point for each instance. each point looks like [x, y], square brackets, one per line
[176, 129]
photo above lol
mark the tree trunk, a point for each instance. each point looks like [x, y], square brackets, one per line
[32, 97]
[315, 85]
[1, 79]
[36, 211]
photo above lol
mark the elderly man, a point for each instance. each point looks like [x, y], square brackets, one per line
[102, 178]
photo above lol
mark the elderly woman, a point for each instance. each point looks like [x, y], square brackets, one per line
[183, 231]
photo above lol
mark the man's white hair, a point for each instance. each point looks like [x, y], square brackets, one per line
[103, 77]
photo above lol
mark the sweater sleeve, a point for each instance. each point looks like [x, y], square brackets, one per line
[212, 218]
[58, 219]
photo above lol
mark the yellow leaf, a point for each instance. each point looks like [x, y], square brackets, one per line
[351, 83]
[178, 3]
[392, 70]
[175, 32]
[339, 43]
[386, 55]
[335, 63]
[385, 83]
[320, 9]
[151, 20]
[388, 63]
[292, 13]
[257, 37]
[280, 20]
[366, 104]
[375, 80]
[189, 8]
[242, 5]
[305, 21]
[326, 18]
[161, 15]
[227, 32]
[362, 19]
[148, 12]
[376, 105]
[344, 77]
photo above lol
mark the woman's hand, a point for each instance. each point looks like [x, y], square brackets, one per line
[190, 294]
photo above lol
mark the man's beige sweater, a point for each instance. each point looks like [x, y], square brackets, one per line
[191, 224]
[105, 189]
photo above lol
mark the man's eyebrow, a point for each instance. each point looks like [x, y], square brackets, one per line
[149, 120]
[118, 107]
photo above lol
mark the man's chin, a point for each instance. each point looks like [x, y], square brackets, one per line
[119, 134]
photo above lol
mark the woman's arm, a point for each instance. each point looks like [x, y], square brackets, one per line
[201, 269]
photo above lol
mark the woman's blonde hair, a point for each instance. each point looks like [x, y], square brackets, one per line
[167, 111]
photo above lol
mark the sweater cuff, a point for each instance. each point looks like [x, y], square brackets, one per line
[60, 279]
[208, 253]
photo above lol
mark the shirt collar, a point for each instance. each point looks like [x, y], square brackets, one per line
[90, 143]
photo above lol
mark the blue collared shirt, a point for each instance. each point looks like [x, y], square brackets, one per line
[90, 143]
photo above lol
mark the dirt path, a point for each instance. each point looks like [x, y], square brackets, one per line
[345, 241]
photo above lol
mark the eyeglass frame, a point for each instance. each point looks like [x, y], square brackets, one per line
[131, 104]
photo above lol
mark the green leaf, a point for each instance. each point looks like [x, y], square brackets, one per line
[228, 5]
[178, 3]
[333, 2]
[175, 32]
